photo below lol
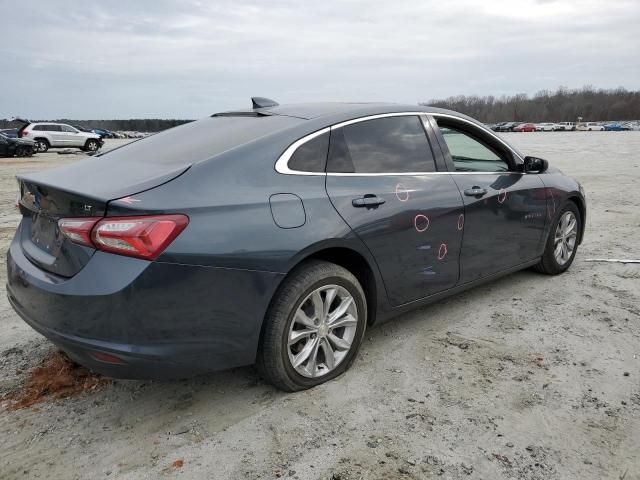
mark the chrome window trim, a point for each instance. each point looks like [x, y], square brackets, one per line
[282, 164]
[414, 174]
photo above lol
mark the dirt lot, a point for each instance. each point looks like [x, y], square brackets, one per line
[530, 377]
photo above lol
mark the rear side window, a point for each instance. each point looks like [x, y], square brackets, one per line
[384, 145]
[311, 156]
[47, 128]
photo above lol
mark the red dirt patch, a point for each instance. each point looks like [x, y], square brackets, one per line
[178, 463]
[56, 377]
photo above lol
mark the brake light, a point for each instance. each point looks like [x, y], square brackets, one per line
[143, 237]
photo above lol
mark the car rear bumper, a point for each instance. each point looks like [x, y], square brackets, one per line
[159, 320]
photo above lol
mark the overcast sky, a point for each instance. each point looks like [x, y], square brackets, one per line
[188, 59]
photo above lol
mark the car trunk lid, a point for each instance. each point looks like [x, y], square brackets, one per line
[47, 197]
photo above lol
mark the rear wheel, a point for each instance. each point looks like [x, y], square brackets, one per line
[313, 328]
[562, 243]
[41, 145]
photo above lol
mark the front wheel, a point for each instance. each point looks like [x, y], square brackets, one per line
[562, 243]
[313, 328]
[91, 145]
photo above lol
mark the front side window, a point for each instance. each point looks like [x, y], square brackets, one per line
[470, 154]
[311, 156]
[68, 129]
[384, 145]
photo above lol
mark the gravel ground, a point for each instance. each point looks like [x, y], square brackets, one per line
[530, 377]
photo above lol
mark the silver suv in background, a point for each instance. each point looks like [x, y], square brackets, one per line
[567, 126]
[59, 135]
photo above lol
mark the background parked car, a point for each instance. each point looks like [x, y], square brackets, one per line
[20, 147]
[507, 127]
[525, 127]
[566, 126]
[103, 133]
[59, 135]
[546, 127]
[589, 126]
[615, 127]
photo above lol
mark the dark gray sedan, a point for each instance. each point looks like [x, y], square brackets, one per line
[276, 235]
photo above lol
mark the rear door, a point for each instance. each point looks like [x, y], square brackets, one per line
[505, 209]
[57, 136]
[382, 179]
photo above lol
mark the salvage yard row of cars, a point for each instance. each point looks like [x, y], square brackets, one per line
[39, 137]
[564, 126]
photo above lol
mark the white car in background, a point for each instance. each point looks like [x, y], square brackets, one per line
[546, 127]
[48, 135]
[566, 126]
[589, 127]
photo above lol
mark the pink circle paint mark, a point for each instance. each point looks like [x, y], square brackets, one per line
[421, 222]
[402, 193]
[442, 251]
[461, 222]
[502, 195]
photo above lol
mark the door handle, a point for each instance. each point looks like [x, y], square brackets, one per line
[475, 192]
[368, 201]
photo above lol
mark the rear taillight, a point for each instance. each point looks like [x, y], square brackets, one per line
[140, 236]
[78, 230]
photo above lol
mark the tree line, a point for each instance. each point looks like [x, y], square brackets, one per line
[130, 125]
[562, 105]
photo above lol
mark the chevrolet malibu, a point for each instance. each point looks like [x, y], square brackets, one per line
[276, 235]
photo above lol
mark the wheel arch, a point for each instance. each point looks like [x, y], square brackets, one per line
[582, 208]
[349, 256]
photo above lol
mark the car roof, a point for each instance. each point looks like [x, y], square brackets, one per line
[336, 110]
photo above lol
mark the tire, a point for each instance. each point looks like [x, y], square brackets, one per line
[20, 151]
[91, 145]
[549, 263]
[292, 301]
[42, 145]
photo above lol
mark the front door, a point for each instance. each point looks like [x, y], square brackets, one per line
[73, 138]
[382, 180]
[505, 209]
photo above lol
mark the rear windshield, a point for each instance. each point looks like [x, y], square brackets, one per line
[199, 140]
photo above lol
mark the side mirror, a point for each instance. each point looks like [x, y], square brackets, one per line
[535, 164]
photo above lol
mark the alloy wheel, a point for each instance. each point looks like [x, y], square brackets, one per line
[322, 331]
[565, 238]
